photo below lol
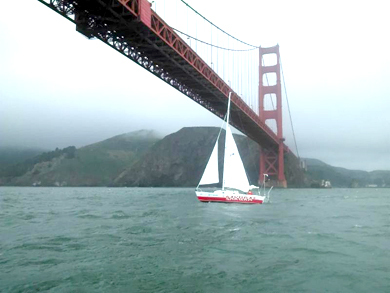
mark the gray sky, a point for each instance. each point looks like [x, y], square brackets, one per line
[58, 88]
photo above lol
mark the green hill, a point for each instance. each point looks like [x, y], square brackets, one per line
[341, 177]
[139, 158]
[14, 155]
[142, 158]
[94, 165]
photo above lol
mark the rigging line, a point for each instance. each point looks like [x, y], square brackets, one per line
[217, 26]
[222, 48]
[288, 107]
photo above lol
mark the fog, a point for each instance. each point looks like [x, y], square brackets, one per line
[58, 88]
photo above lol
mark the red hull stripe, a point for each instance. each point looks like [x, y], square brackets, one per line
[222, 199]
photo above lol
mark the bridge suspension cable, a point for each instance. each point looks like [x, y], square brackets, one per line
[288, 107]
[211, 45]
[234, 60]
[217, 26]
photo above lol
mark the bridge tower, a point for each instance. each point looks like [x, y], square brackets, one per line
[272, 159]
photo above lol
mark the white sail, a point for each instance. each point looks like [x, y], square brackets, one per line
[234, 172]
[234, 176]
[211, 173]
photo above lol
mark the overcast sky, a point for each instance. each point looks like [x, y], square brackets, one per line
[58, 88]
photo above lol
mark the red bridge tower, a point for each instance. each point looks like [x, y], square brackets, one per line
[272, 159]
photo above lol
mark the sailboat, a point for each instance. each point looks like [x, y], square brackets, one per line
[235, 184]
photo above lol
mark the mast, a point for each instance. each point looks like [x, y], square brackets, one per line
[224, 156]
[228, 110]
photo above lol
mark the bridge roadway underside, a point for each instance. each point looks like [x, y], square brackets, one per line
[112, 23]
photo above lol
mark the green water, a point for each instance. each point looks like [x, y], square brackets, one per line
[164, 240]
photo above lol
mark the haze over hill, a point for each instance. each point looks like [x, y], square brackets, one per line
[342, 177]
[93, 165]
[13, 155]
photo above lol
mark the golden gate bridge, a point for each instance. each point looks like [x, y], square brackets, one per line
[202, 61]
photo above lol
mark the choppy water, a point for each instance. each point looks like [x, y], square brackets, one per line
[164, 240]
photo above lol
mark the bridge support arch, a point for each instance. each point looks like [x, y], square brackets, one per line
[272, 159]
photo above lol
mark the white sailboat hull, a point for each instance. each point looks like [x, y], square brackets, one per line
[229, 196]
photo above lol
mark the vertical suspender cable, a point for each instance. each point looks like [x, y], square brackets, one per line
[216, 54]
[228, 60]
[248, 88]
[211, 47]
[196, 33]
[240, 74]
[223, 64]
[232, 86]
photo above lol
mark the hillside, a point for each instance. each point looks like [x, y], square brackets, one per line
[180, 158]
[138, 159]
[94, 165]
[14, 155]
[142, 158]
[341, 177]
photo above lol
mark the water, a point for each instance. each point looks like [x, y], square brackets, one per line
[164, 240]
